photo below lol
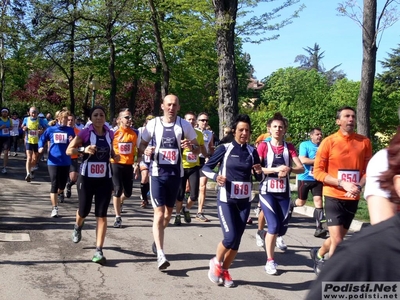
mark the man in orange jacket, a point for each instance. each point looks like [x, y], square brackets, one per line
[124, 146]
[341, 164]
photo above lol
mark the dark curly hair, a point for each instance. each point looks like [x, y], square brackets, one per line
[386, 178]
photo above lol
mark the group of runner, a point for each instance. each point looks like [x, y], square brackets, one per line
[173, 158]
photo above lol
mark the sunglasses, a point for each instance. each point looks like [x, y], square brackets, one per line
[128, 117]
[203, 120]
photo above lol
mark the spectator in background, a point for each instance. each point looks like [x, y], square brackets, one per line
[15, 133]
[79, 123]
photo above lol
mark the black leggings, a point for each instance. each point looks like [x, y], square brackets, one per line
[58, 177]
[122, 179]
[100, 188]
[14, 143]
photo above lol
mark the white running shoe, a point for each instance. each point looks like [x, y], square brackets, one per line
[35, 168]
[54, 212]
[4, 171]
[260, 238]
[163, 263]
[257, 211]
[280, 243]
[270, 267]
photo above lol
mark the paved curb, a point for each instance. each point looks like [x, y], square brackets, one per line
[302, 210]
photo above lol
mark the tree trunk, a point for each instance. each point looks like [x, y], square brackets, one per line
[157, 92]
[368, 67]
[71, 78]
[160, 51]
[225, 13]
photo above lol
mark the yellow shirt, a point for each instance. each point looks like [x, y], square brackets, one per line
[190, 160]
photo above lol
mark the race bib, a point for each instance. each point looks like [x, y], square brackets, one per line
[168, 156]
[240, 190]
[191, 157]
[311, 172]
[349, 175]
[33, 133]
[5, 131]
[125, 148]
[60, 138]
[276, 185]
[97, 169]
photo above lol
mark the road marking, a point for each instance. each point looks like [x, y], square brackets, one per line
[14, 237]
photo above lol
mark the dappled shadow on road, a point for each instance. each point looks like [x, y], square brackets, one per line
[299, 286]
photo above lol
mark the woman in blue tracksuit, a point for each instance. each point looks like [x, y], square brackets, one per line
[58, 161]
[237, 161]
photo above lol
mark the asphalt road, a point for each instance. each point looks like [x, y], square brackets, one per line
[51, 266]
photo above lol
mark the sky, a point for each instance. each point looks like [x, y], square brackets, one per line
[338, 36]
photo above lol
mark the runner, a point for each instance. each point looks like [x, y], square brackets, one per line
[369, 256]
[14, 133]
[237, 161]
[340, 163]
[202, 122]
[6, 126]
[168, 134]
[95, 177]
[306, 181]
[58, 162]
[124, 145]
[144, 169]
[276, 156]
[191, 168]
[380, 206]
[74, 168]
[33, 128]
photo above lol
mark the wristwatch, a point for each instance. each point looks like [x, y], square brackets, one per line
[81, 150]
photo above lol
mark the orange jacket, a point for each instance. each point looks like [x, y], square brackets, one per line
[124, 145]
[342, 157]
[75, 156]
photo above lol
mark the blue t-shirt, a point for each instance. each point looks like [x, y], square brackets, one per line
[309, 150]
[59, 137]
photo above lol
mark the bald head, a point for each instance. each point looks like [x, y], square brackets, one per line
[170, 106]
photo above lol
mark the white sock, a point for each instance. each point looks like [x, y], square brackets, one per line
[160, 253]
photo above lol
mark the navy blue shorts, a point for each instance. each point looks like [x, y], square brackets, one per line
[32, 147]
[164, 190]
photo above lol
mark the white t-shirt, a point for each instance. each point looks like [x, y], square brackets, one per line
[376, 166]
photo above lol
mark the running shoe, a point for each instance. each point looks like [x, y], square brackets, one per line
[177, 221]
[260, 238]
[4, 171]
[99, 258]
[118, 222]
[14, 154]
[35, 168]
[257, 211]
[68, 188]
[61, 197]
[154, 248]
[144, 203]
[318, 262]
[201, 217]
[270, 267]
[32, 174]
[186, 215]
[320, 233]
[215, 271]
[77, 234]
[54, 212]
[163, 263]
[280, 243]
[227, 279]
[28, 178]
